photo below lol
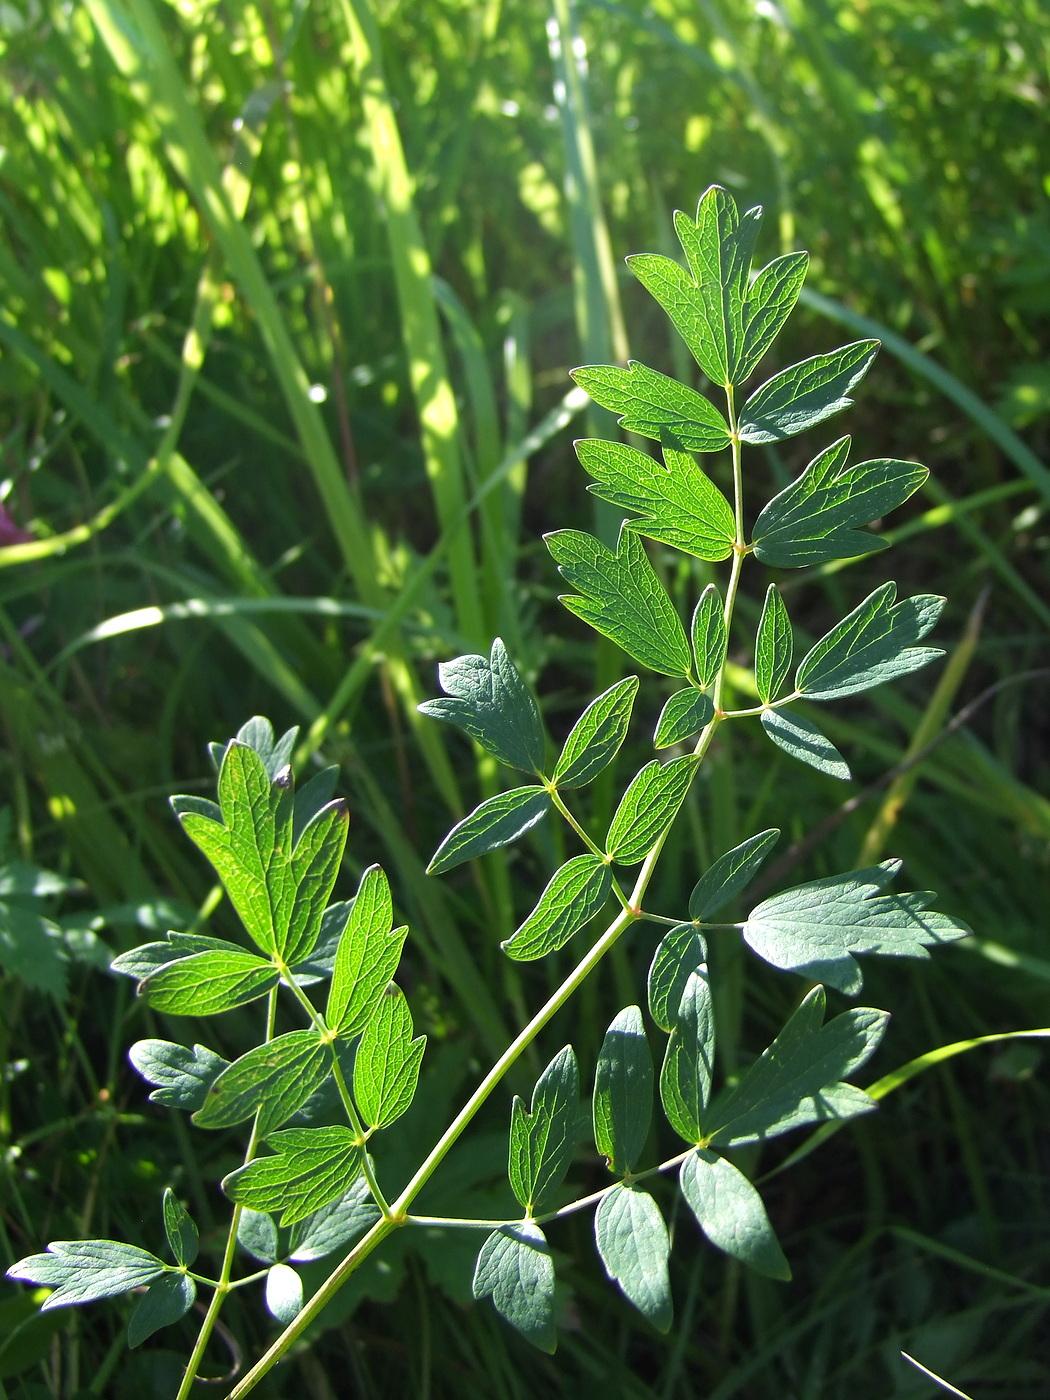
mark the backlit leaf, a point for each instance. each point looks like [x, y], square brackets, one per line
[730, 1212]
[148, 958]
[709, 636]
[647, 402]
[805, 394]
[82, 1271]
[487, 698]
[774, 647]
[595, 738]
[367, 956]
[634, 1247]
[623, 1092]
[801, 738]
[648, 808]
[685, 714]
[543, 1138]
[182, 1236]
[309, 1168]
[497, 822]
[386, 1068]
[516, 1269]
[207, 983]
[573, 896]
[275, 1079]
[770, 301]
[875, 643]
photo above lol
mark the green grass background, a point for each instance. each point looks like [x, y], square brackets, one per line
[289, 296]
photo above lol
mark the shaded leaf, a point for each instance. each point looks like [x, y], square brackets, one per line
[367, 957]
[800, 737]
[257, 1233]
[386, 1068]
[685, 1079]
[275, 1079]
[334, 1225]
[681, 952]
[648, 808]
[284, 1293]
[730, 873]
[774, 647]
[183, 1239]
[709, 636]
[647, 402]
[595, 738]
[32, 948]
[164, 1303]
[496, 822]
[309, 1168]
[770, 301]
[543, 1138]
[82, 1271]
[311, 797]
[207, 983]
[516, 1269]
[623, 1092]
[872, 645]
[805, 394]
[573, 896]
[488, 699]
[634, 1247]
[685, 714]
[730, 1212]
[183, 1075]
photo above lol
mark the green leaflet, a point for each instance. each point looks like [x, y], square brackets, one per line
[543, 1138]
[685, 714]
[730, 1212]
[257, 733]
[730, 873]
[32, 948]
[815, 928]
[183, 1076]
[182, 1236]
[82, 1271]
[573, 896]
[163, 1303]
[681, 952]
[207, 983]
[274, 1079]
[366, 957]
[648, 808]
[386, 1068]
[872, 645]
[709, 636]
[633, 1244]
[679, 505]
[334, 1225]
[770, 301]
[311, 1166]
[801, 738]
[814, 518]
[487, 698]
[774, 647]
[648, 402]
[257, 1233]
[148, 958]
[797, 1079]
[622, 598]
[284, 1293]
[685, 1079]
[805, 394]
[497, 822]
[516, 1269]
[623, 1093]
[595, 738]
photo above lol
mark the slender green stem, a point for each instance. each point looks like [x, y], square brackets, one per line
[559, 802]
[761, 709]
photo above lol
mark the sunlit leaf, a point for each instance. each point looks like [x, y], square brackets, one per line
[595, 738]
[82, 1271]
[274, 1079]
[685, 1079]
[647, 402]
[516, 1269]
[487, 698]
[386, 1068]
[685, 714]
[573, 896]
[648, 808]
[875, 643]
[800, 737]
[681, 952]
[495, 823]
[805, 394]
[543, 1137]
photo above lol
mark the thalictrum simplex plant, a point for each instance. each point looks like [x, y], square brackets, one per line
[303, 1191]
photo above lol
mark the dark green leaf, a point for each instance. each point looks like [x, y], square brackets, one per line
[801, 738]
[311, 797]
[685, 1079]
[648, 402]
[284, 1293]
[797, 1079]
[274, 1079]
[181, 803]
[542, 1140]
[183, 1075]
[680, 506]
[148, 958]
[709, 636]
[805, 394]
[82, 1271]
[311, 1166]
[497, 822]
[386, 1068]
[32, 948]
[488, 699]
[258, 734]
[770, 301]
[334, 1225]
[632, 1241]
[207, 983]
[164, 1303]
[367, 956]
[872, 645]
[257, 1233]
[648, 808]
[22, 877]
[681, 952]
[595, 738]
[183, 1239]
[730, 1212]
[684, 715]
[623, 1093]
[774, 647]
[814, 518]
[815, 928]
[516, 1268]
[573, 896]
[730, 873]
[622, 598]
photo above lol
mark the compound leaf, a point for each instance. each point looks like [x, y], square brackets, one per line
[163, 1303]
[334, 1225]
[634, 1247]
[595, 738]
[648, 808]
[309, 1168]
[685, 714]
[386, 1068]
[649, 402]
[679, 505]
[623, 1093]
[872, 645]
[730, 873]
[207, 983]
[516, 1269]
[709, 636]
[284, 1293]
[800, 737]
[805, 394]
[685, 1079]
[489, 700]
[774, 647]
[274, 1079]
[366, 957]
[183, 1076]
[82, 1271]
[182, 1236]
[543, 1138]
[496, 822]
[681, 952]
[814, 518]
[622, 598]
[816, 928]
[573, 896]
[730, 1212]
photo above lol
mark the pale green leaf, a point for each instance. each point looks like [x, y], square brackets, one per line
[516, 1269]
[622, 598]
[315, 861]
[805, 394]
[774, 647]
[676, 291]
[681, 952]
[182, 1236]
[595, 738]
[730, 1212]
[207, 983]
[334, 1225]
[274, 1079]
[309, 1168]
[814, 518]
[82, 1271]
[488, 699]
[647, 402]
[685, 714]
[709, 636]
[367, 956]
[875, 643]
[284, 1293]
[573, 896]
[685, 1078]
[257, 1233]
[633, 1244]
[801, 738]
[497, 822]
[543, 1138]
[183, 1076]
[386, 1068]
[648, 808]
[163, 1303]
[623, 1092]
